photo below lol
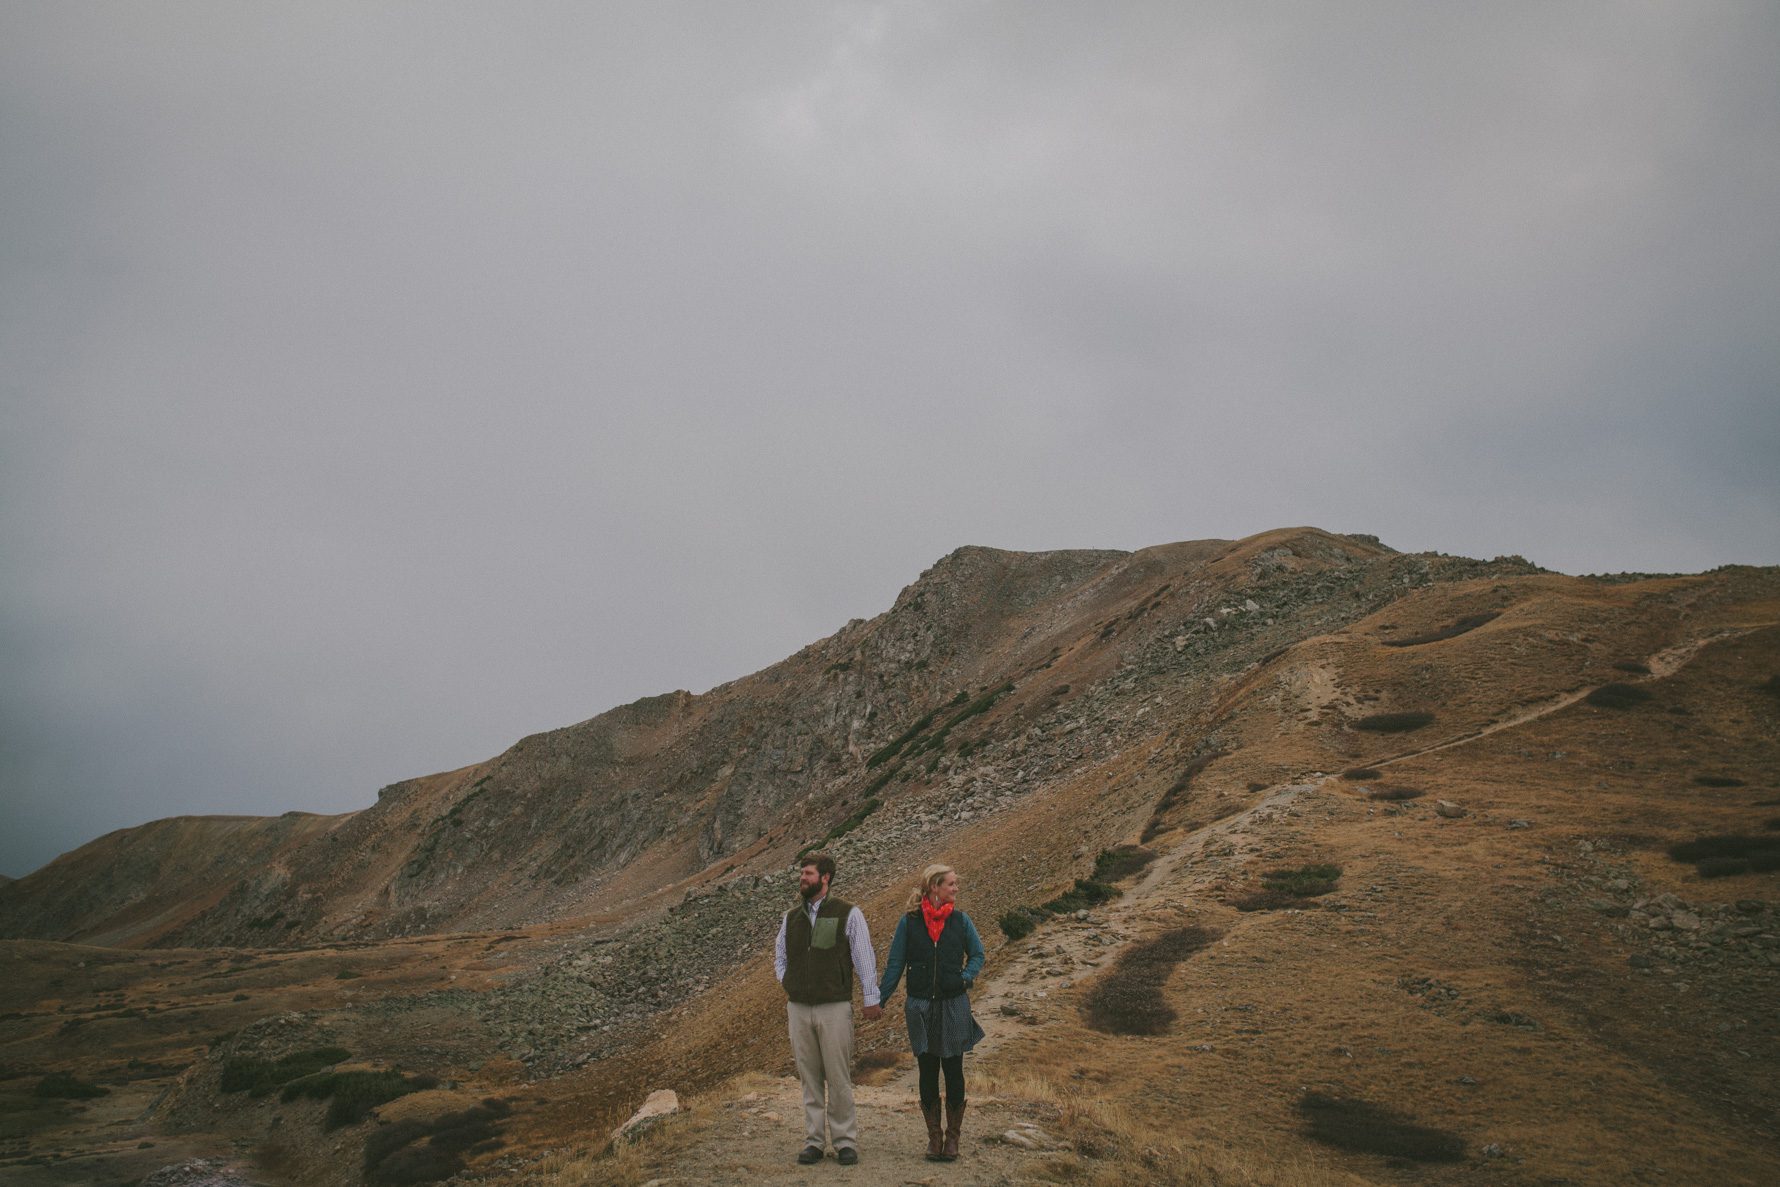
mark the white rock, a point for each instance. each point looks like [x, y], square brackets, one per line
[660, 1103]
[1448, 809]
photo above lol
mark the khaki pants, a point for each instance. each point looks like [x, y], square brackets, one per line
[822, 1045]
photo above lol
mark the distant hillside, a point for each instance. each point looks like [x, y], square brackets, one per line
[989, 656]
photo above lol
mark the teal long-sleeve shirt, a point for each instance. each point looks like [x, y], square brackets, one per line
[898, 958]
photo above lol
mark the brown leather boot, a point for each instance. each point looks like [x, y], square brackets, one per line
[935, 1135]
[954, 1124]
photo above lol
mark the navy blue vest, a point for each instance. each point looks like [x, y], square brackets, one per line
[934, 970]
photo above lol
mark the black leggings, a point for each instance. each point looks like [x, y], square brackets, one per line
[930, 1068]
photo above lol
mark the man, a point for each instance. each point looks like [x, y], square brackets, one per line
[821, 948]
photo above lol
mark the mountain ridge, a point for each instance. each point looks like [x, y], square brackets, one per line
[582, 784]
[1501, 777]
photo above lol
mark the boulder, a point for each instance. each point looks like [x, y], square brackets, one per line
[660, 1103]
[1448, 809]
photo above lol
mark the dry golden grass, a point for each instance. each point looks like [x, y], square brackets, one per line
[1456, 976]
[1113, 1145]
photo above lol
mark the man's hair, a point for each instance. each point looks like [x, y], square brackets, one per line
[824, 864]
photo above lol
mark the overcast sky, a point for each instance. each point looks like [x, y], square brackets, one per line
[382, 382]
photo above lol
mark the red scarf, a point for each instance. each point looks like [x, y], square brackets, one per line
[934, 917]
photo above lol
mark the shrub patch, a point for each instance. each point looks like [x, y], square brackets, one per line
[352, 1095]
[1305, 881]
[1128, 1000]
[1617, 696]
[1366, 1128]
[429, 1151]
[1717, 781]
[1392, 791]
[1120, 862]
[1177, 791]
[1357, 773]
[256, 1077]
[1084, 894]
[1284, 888]
[1451, 630]
[62, 1086]
[1724, 855]
[1019, 922]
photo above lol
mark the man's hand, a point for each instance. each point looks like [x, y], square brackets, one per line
[873, 1013]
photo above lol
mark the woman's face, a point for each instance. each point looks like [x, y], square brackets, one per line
[946, 889]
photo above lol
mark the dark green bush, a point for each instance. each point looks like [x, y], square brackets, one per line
[62, 1086]
[1307, 881]
[1271, 900]
[352, 1095]
[888, 752]
[1357, 773]
[1177, 792]
[1392, 791]
[1120, 862]
[1617, 696]
[1722, 867]
[1723, 845]
[855, 820]
[1394, 723]
[1717, 781]
[396, 1155]
[1128, 999]
[347, 975]
[257, 1077]
[1019, 922]
[1365, 1128]
[1084, 894]
[1450, 631]
[1285, 888]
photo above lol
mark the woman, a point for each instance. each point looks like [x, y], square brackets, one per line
[940, 949]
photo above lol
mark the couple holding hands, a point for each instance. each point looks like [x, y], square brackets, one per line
[822, 945]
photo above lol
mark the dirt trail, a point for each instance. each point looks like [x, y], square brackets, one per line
[1663, 664]
[1006, 1141]
[756, 1137]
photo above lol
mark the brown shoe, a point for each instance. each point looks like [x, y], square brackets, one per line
[935, 1134]
[954, 1123]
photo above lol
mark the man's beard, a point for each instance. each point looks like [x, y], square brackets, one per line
[810, 892]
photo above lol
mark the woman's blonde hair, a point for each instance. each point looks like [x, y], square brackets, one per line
[930, 877]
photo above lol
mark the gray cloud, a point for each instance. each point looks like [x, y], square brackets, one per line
[386, 382]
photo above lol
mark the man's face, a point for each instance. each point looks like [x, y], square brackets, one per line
[811, 884]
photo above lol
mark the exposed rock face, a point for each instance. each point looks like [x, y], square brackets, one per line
[1009, 669]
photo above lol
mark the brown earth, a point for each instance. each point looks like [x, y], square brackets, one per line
[1529, 978]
